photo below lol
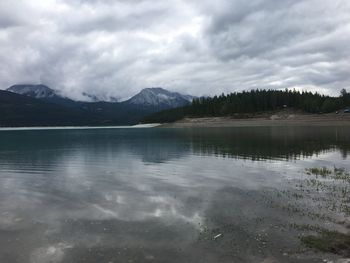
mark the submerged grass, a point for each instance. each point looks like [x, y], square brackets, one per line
[320, 199]
[329, 241]
[335, 173]
[323, 171]
[335, 183]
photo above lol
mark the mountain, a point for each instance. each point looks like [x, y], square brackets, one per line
[149, 97]
[19, 110]
[34, 91]
[38, 105]
[99, 98]
[41, 92]
[159, 98]
[45, 93]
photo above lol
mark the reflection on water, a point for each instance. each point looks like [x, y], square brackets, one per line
[157, 195]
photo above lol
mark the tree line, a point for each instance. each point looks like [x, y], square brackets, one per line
[254, 101]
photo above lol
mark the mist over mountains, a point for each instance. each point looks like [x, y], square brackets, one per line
[39, 105]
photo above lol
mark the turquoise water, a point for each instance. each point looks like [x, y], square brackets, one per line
[165, 195]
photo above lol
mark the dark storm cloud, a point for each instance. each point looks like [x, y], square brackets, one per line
[115, 48]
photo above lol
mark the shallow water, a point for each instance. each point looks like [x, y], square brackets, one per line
[165, 195]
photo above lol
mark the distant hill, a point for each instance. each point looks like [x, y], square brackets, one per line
[248, 103]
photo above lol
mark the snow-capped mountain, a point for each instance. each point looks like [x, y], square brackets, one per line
[34, 91]
[159, 97]
[150, 99]
[43, 93]
[95, 110]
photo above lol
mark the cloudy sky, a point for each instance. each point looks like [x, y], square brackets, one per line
[200, 47]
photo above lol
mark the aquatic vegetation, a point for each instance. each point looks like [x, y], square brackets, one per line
[323, 171]
[335, 173]
[335, 186]
[329, 241]
[327, 189]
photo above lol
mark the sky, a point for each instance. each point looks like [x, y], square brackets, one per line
[198, 47]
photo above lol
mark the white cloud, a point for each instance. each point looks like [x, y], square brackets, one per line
[199, 47]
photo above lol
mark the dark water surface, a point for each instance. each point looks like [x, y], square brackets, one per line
[166, 195]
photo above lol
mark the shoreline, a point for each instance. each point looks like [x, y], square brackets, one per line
[274, 121]
[137, 126]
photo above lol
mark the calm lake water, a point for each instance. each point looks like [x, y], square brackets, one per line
[168, 195]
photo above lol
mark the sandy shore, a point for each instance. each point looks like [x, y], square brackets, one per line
[331, 119]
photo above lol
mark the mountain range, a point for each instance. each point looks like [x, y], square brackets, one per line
[39, 105]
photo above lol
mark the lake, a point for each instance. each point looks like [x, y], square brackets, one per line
[173, 195]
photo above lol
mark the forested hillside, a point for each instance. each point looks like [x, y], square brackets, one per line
[18, 110]
[254, 101]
